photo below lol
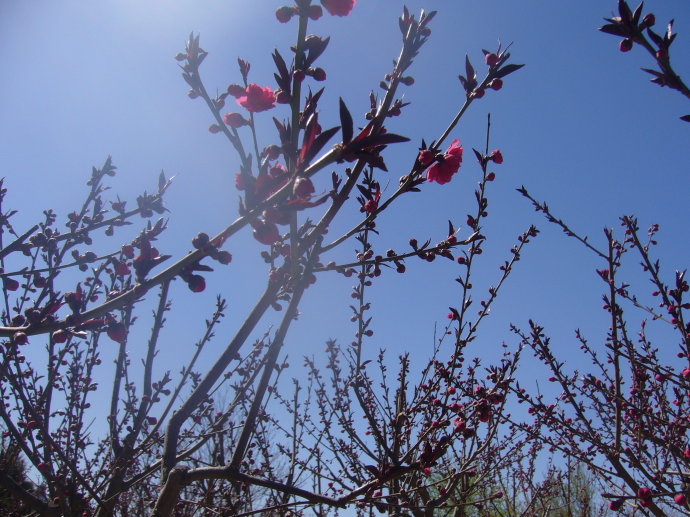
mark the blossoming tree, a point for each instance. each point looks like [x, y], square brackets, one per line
[172, 447]
[626, 419]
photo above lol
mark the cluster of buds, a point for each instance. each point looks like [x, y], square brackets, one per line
[498, 69]
[210, 248]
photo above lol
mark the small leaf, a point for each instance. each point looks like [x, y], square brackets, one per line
[685, 118]
[188, 79]
[653, 72]
[318, 144]
[346, 122]
[364, 191]
[280, 63]
[615, 29]
[469, 70]
[655, 37]
[381, 139]
[430, 16]
[624, 11]
[669, 30]
[637, 13]
[508, 69]
[479, 156]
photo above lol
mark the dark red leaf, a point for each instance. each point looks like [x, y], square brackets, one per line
[346, 122]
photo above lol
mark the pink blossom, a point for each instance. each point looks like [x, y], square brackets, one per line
[257, 99]
[339, 7]
[442, 171]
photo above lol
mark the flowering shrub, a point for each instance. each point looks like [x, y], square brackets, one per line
[238, 437]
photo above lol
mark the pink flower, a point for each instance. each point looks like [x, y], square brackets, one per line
[371, 206]
[339, 7]
[442, 171]
[497, 157]
[257, 99]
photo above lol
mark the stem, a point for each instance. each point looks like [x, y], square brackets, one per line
[199, 393]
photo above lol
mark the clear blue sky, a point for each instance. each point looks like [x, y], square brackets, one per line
[580, 126]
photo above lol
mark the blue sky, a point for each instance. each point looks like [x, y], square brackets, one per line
[580, 126]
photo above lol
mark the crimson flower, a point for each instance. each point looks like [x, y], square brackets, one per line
[442, 171]
[257, 99]
[339, 7]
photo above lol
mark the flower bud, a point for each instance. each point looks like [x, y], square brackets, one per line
[649, 20]
[60, 336]
[224, 257]
[371, 206]
[319, 74]
[200, 240]
[196, 283]
[10, 283]
[284, 13]
[496, 84]
[625, 45]
[426, 156]
[282, 97]
[20, 338]
[303, 188]
[298, 75]
[616, 504]
[491, 59]
[315, 12]
[117, 331]
[236, 90]
[234, 120]
[265, 232]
